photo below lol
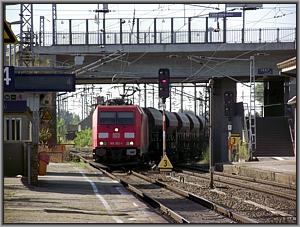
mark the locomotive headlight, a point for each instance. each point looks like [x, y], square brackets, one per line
[116, 129]
[131, 143]
[101, 143]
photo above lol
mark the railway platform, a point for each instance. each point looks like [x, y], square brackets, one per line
[278, 169]
[72, 193]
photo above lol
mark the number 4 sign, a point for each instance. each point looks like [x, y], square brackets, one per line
[9, 78]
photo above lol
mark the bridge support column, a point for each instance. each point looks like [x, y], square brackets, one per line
[219, 121]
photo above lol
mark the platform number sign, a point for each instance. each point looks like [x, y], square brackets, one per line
[165, 164]
[9, 78]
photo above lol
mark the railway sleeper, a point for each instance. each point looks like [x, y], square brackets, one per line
[208, 204]
[154, 203]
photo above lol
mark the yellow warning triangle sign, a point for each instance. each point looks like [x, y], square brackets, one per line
[8, 35]
[46, 116]
[165, 163]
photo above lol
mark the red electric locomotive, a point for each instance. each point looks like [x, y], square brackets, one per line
[119, 134]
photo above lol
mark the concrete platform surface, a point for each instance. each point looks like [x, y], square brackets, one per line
[278, 169]
[73, 193]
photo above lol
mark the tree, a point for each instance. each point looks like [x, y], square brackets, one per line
[64, 119]
[69, 118]
[83, 138]
[61, 130]
[44, 136]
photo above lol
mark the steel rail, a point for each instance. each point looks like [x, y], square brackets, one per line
[147, 198]
[208, 204]
[256, 188]
[252, 179]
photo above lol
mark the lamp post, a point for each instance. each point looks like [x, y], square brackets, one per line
[104, 11]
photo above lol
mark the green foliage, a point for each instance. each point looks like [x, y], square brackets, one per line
[205, 156]
[61, 130]
[243, 151]
[75, 119]
[83, 138]
[44, 136]
[64, 119]
[69, 118]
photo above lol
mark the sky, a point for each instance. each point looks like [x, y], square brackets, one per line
[269, 16]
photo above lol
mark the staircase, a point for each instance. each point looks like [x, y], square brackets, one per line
[273, 137]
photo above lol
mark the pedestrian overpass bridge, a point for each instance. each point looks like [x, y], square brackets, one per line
[134, 55]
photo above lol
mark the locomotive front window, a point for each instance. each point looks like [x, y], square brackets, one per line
[125, 118]
[107, 117]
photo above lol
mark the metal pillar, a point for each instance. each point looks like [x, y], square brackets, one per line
[98, 24]
[170, 98]
[86, 31]
[54, 27]
[145, 95]
[211, 169]
[181, 99]
[42, 31]
[172, 30]
[156, 31]
[243, 29]
[26, 35]
[189, 30]
[153, 98]
[121, 35]
[252, 114]
[195, 99]
[224, 26]
[139, 97]
[164, 126]
[10, 57]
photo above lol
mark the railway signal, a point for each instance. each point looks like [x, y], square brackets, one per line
[164, 92]
[228, 103]
[164, 83]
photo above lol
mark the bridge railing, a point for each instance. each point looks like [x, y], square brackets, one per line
[265, 35]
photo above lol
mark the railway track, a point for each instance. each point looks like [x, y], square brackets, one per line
[240, 199]
[179, 206]
[199, 169]
[261, 206]
[271, 189]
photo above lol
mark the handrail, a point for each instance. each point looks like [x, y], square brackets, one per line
[266, 35]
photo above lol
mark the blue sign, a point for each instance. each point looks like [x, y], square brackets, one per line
[14, 106]
[44, 82]
[226, 14]
[9, 78]
[265, 71]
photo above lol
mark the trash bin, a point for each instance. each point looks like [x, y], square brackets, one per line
[43, 162]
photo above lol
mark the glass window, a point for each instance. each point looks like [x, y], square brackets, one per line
[12, 129]
[107, 117]
[125, 118]
[18, 129]
[7, 129]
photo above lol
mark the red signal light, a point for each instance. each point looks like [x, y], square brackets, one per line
[164, 83]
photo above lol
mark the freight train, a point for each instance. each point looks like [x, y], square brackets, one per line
[130, 134]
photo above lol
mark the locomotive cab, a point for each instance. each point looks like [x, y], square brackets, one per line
[118, 134]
